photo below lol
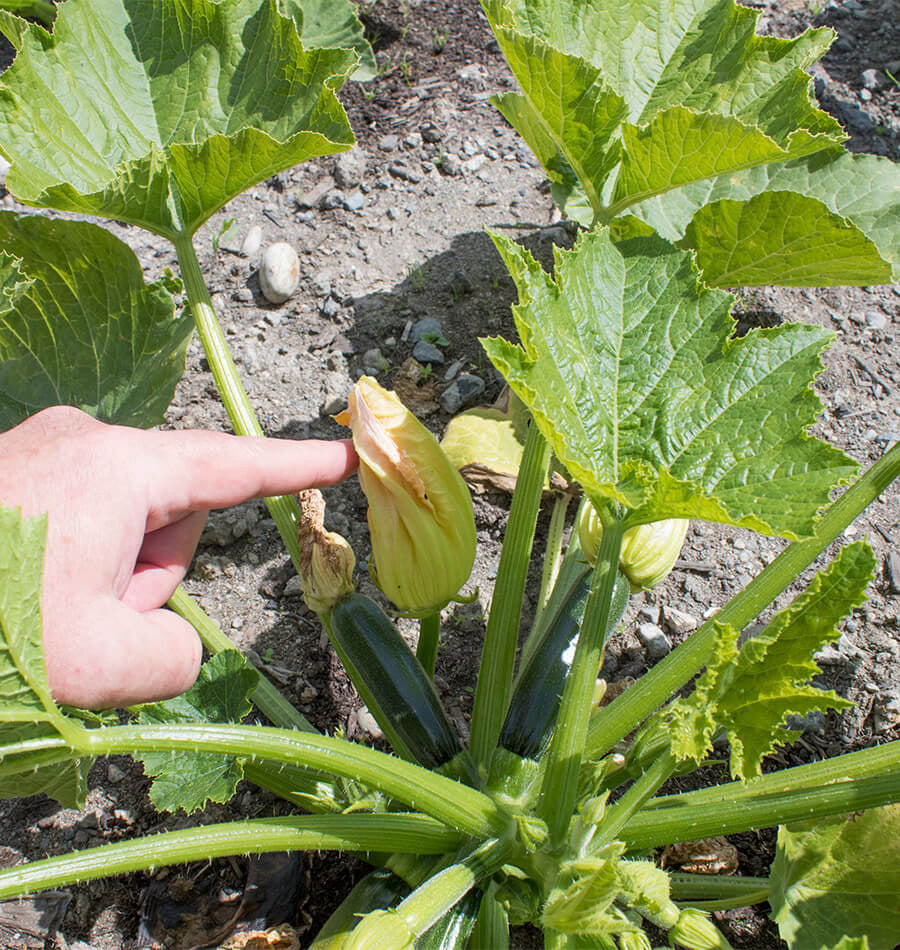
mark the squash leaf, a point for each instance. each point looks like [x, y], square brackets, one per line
[749, 692]
[628, 367]
[22, 775]
[333, 24]
[188, 780]
[647, 105]
[158, 114]
[838, 876]
[79, 327]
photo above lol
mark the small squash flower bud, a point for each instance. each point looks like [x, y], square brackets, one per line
[695, 931]
[648, 553]
[420, 512]
[326, 559]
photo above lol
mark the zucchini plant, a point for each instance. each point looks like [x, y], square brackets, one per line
[634, 383]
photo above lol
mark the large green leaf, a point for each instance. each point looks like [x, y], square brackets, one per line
[158, 113]
[333, 24]
[862, 193]
[21, 775]
[24, 689]
[675, 73]
[187, 780]
[838, 876]
[628, 366]
[78, 325]
[568, 105]
[749, 692]
[708, 110]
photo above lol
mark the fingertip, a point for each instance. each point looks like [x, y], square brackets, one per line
[111, 656]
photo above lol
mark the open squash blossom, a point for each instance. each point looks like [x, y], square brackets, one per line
[420, 512]
[326, 559]
[649, 551]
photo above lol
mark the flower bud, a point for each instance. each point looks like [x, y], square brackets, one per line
[326, 559]
[420, 512]
[695, 931]
[648, 551]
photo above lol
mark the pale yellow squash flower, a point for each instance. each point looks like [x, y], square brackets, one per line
[420, 511]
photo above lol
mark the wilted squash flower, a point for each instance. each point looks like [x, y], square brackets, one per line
[648, 551]
[326, 559]
[420, 512]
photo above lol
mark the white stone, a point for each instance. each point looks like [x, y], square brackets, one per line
[367, 723]
[252, 241]
[279, 272]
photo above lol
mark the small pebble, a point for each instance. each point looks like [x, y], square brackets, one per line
[354, 201]
[375, 362]
[349, 168]
[655, 643]
[367, 723]
[462, 391]
[875, 320]
[871, 79]
[252, 242]
[427, 353]
[329, 307]
[279, 272]
[679, 622]
[452, 370]
[428, 328]
[387, 143]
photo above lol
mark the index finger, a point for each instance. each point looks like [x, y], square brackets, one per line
[194, 470]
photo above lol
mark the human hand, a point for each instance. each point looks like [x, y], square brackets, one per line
[126, 508]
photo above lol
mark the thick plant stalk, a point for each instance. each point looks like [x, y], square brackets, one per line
[853, 782]
[283, 508]
[670, 674]
[450, 802]
[498, 656]
[306, 832]
[560, 786]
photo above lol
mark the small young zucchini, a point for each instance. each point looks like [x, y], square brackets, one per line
[539, 684]
[391, 681]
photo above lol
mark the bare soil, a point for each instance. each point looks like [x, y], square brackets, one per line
[404, 239]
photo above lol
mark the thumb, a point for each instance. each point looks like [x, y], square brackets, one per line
[108, 655]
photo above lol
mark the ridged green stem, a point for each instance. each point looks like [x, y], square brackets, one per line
[266, 697]
[498, 655]
[670, 674]
[284, 509]
[646, 785]
[559, 789]
[711, 892]
[852, 782]
[429, 639]
[305, 832]
[450, 802]
[688, 887]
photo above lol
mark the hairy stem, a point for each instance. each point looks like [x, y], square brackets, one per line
[308, 832]
[450, 802]
[283, 508]
[498, 656]
[560, 786]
